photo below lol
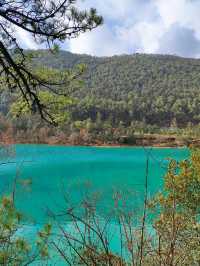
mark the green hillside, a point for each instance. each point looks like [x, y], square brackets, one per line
[122, 96]
[157, 89]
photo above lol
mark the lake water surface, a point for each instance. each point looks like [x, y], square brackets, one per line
[48, 174]
[45, 176]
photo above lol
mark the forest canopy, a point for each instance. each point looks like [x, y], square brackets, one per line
[111, 97]
[157, 89]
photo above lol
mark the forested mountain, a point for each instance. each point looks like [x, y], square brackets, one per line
[155, 89]
[121, 96]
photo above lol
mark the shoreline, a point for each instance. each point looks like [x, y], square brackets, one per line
[146, 140]
[97, 146]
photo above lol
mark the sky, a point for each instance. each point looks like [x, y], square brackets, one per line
[137, 26]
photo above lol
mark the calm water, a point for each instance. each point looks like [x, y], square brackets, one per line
[55, 172]
[47, 175]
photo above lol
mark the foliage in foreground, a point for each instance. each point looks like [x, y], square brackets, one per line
[15, 249]
[168, 233]
[165, 233]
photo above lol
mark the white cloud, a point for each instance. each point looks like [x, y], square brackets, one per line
[184, 12]
[171, 11]
[147, 26]
[102, 42]
[120, 32]
[181, 34]
[143, 36]
[25, 39]
[110, 9]
[180, 41]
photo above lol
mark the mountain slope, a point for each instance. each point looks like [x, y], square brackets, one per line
[157, 89]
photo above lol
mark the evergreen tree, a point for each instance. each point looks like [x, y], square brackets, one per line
[48, 22]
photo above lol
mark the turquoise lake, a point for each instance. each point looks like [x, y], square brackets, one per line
[56, 172]
[48, 175]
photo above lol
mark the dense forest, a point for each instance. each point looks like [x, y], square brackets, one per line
[153, 88]
[121, 95]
